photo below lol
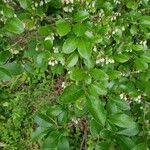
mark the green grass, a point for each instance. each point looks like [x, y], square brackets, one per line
[19, 103]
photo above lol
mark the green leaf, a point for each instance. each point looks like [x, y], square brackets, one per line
[145, 21]
[112, 108]
[132, 5]
[80, 16]
[129, 131]
[52, 140]
[72, 60]
[99, 74]
[79, 29]
[71, 93]
[140, 64]
[42, 58]
[43, 120]
[48, 44]
[77, 74]
[8, 11]
[25, 4]
[140, 146]
[138, 47]
[96, 89]
[84, 48]
[13, 68]
[95, 127]
[104, 145]
[122, 58]
[4, 56]
[122, 104]
[69, 45]
[4, 74]
[122, 120]
[63, 144]
[55, 4]
[44, 30]
[145, 57]
[114, 74]
[125, 143]
[89, 63]
[57, 69]
[63, 27]
[39, 133]
[96, 109]
[14, 25]
[133, 30]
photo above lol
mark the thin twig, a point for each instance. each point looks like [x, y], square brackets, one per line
[84, 139]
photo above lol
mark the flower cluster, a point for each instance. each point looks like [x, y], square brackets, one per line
[52, 61]
[67, 1]
[68, 9]
[115, 15]
[104, 61]
[144, 43]
[127, 74]
[123, 96]
[63, 85]
[117, 2]
[14, 51]
[55, 49]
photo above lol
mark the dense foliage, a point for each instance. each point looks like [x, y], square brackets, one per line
[80, 68]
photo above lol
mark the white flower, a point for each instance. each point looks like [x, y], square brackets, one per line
[36, 4]
[48, 38]
[113, 32]
[71, 1]
[36, 48]
[56, 62]
[1, 12]
[95, 49]
[121, 95]
[141, 107]
[123, 28]
[15, 15]
[63, 85]
[93, 4]
[41, 3]
[125, 98]
[145, 43]
[97, 61]
[52, 64]
[56, 50]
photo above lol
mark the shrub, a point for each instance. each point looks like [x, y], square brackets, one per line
[100, 49]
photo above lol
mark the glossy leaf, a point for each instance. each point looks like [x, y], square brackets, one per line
[72, 60]
[14, 25]
[84, 48]
[122, 58]
[13, 68]
[80, 16]
[69, 45]
[71, 93]
[122, 120]
[77, 74]
[62, 27]
[129, 131]
[79, 29]
[140, 146]
[99, 74]
[96, 109]
[63, 144]
[4, 74]
[122, 104]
